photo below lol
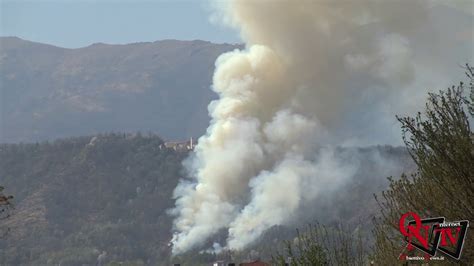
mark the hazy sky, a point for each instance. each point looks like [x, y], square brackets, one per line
[77, 23]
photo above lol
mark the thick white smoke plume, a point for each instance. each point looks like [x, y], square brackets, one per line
[314, 74]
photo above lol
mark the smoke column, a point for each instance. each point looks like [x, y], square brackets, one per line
[295, 91]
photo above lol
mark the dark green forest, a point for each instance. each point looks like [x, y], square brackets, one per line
[75, 199]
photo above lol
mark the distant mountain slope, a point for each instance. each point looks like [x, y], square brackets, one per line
[49, 92]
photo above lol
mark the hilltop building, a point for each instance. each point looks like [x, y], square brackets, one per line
[182, 146]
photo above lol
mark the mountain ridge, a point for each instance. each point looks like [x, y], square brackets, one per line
[19, 39]
[50, 92]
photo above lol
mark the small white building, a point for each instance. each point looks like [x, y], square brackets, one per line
[180, 145]
[219, 263]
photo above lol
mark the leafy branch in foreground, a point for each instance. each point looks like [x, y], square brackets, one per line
[441, 143]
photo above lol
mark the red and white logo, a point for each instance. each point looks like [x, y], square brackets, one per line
[433, 234]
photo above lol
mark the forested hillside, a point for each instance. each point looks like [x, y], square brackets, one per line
[76, 198]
